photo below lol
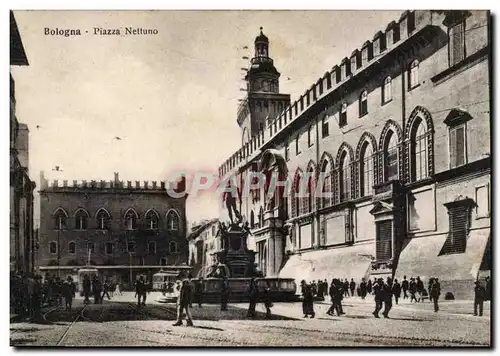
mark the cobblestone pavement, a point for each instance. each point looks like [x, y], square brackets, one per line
[120, 323]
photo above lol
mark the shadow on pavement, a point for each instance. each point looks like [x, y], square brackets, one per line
[20, 342]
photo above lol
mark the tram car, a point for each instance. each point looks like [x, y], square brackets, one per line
[90, 272]
[164, 282]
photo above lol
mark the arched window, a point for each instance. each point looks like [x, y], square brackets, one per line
[387, 90]
[252, 220]
[214, 231]
[366, 170]
[72, 248]
[413, 75]
[53, 247]
[81, 219]
[131, 219]
[306, 205]
[326, 172]
[151, 247]
[363, 103]
[261, 217]
[152, 220]
[345, 177]
[296, 194]
[391, 157]
[419, 159]
[172, 221]
[109, 248]
[172, 247]
[60, 217]
[103, 219]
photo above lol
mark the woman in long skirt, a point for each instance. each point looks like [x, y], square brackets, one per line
[307, 300]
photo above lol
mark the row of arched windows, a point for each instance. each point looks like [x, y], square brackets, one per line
[353, 175]
[151, 219]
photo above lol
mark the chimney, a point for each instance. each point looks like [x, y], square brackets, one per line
[129, 184]
[117, 179]
[65, 183]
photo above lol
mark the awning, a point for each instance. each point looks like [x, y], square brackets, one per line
[421, 258]
[343, 262]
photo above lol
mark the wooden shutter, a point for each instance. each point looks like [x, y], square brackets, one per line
[384, 240]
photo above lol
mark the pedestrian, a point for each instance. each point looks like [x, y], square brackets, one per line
[267, 301]
[183, 302]
[404, 285]
[413, 290]
[479, 297]
[435, 292]
[107, 289]
[253, 294]
[198, 292]
[68, 291]
[97, 289]
[141, 291]
[488, 288]
[369, 287]
[119, 288]
[191, 284]
[387, 295]
[362, 288]
[307, 300]
[431, 281]
[378, 290]
[396, 290]
[346, 287]
[86, 289]
[420, 289]
[331, 292]
[224, 293]
[352, 287]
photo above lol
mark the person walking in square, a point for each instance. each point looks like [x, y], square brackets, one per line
[224, 293]
[405, 286]
[253, 293]
[352, 287]
[435, 292]
[396, 290]
[378, 290]
[183, 303]
[479, 297]
[68, 290]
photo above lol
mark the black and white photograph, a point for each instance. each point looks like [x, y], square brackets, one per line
[248, 178]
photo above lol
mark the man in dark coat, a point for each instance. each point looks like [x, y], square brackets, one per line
[378, 289]
[352, 287]
[405, 287]
[267, 301]
[346, 287]
[86, 289]
[479, 297]
[369, 287]
[387, 288]
[363, 288]
[307, 300]
[435, 292]
[183, 302]
[413, 290]
[141, 290]
[68, 291]
[97, 289]
[420, 289]
[396, 290]
[431, 281]
[253, 293]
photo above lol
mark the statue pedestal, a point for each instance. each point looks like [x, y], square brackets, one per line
[235, 254]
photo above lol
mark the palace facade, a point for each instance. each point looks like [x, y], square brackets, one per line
[117, 227]
[401, 129]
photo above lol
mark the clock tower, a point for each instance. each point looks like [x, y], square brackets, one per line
[263, 102]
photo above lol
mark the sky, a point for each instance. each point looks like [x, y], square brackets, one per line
[171, 97]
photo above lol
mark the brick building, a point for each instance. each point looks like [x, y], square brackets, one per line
[401, 131]
[120, 228]
[22, 243]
